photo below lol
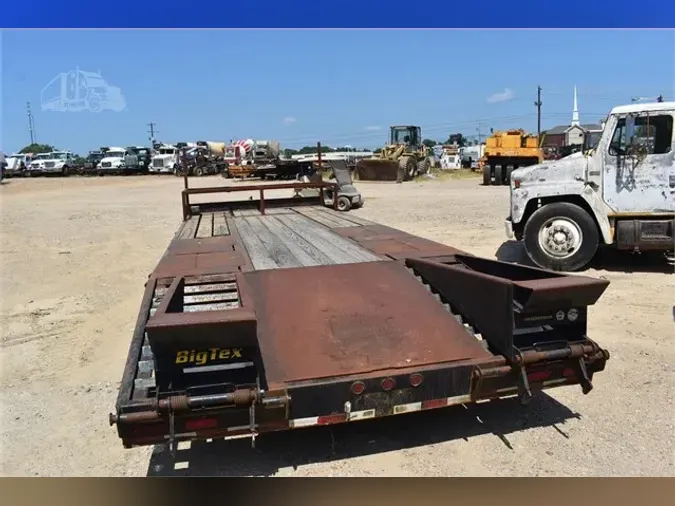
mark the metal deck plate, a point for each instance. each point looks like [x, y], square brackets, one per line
[337, 320]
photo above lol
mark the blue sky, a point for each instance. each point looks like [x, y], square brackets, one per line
[337, 87]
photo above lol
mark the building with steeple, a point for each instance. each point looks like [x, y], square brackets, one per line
[571, 135]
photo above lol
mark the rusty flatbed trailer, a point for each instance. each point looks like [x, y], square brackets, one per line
[267, 315]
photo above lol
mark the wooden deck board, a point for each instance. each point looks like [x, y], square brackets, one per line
[276, 247]
[338, 249]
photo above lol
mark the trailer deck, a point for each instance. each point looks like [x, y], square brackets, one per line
[269, 315]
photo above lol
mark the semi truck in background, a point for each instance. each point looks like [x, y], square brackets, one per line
[619, 194]
[17, 164]
[470, 156]
[166, 159]
[56, 162]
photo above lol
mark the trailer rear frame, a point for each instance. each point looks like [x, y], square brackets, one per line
[508, 330]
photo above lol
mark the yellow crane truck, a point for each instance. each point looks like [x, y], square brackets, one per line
[507, 151]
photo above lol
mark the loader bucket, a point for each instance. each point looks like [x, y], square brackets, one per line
[378, 169]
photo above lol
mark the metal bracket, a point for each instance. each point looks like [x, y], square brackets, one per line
[172, 434]
[585, 381]
[251, 411]
[523, 383]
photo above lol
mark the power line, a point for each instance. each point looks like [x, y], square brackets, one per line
[443, 128]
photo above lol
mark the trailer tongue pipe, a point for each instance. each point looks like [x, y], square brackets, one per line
[285, 314]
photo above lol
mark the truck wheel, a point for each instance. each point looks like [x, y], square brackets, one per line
[344, 204]
[561, 237]
[487, 175]
[408, 166]
[198, 172]
[65, 172]
[499, 175]
[423, 166]
[507, 176]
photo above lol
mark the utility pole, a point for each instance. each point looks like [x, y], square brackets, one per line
[152, 132]
[538, 106]
[479, 134]
[31, 127]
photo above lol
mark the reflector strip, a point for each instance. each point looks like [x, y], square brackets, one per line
[355, 416]
[361, 415]
[212, 368]
[407, 408]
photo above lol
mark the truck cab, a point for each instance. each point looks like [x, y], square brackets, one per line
[618, 194]
[165, 161]
[143, 157]
[17, 164]
[56, 162]
[118, 161]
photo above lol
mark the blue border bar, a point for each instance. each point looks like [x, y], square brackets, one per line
[342, 14]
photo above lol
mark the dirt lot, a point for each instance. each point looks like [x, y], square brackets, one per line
[75, 255]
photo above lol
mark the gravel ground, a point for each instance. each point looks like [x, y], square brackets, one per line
[75, 255]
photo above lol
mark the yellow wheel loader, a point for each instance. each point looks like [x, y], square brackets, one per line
[401, 160]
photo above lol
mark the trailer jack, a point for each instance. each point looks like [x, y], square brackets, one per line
[584, 380]
[524, 391]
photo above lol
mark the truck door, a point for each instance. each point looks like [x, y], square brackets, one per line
[639, 172]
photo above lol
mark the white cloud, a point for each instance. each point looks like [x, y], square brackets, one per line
[289, 120]
[372, 128]
[503, 96]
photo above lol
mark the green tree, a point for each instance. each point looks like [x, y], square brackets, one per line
[38, 148]
[429, 143]
[457, 138]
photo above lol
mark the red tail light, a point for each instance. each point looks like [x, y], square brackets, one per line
[330, 419]
[358, 387]
[569, 373]
[416, 380]
[435, 403]
[538, 376]
[201, 423]
[387, 384]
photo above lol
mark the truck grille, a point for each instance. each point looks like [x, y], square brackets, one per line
[158, 163]
[49, 165]
[106, 164]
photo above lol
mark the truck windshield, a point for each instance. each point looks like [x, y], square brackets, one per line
[114, 154]
[59, 156]
[43, 156]
[166, 151]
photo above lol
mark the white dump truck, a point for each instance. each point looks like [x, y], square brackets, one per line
[621, 194]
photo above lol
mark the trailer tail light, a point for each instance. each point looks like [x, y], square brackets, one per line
[201, 423]
[538, 376]
[569, 373]
[435, 403]
[331, 419]
[387, 384]
[516, 183]
[358, 387]
[416, 380]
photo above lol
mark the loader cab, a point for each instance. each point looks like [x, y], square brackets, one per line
[408, 135]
